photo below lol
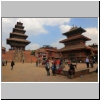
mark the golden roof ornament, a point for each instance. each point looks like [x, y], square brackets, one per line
[73, 27]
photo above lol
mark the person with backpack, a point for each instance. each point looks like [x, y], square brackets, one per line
[71, 70]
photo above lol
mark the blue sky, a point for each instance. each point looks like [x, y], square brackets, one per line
[48, 31]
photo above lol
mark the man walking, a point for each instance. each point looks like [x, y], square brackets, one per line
[12, 64]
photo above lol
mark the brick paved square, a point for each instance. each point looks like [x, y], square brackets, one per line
[28, 72]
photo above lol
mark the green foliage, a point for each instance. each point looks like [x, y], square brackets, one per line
[33, 52]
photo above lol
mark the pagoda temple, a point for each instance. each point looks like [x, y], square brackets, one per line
[75, 48]
[18, 42]
[17, 38]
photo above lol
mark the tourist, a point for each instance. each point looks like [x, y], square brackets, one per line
[63, 64]
[23, 60]
[47, 66]
[71, 70]
[87, 62]
[94, 60]
[6, 62]
[55, 64]
[69, 62]
[44, 62]
[12, 64]
[91, 62]
[39, 62]
[66, 61]
[53, 67]
[2, 62]
[36, 62]
[31, 61]
[58, 63]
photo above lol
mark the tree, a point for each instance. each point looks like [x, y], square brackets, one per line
[33, 52]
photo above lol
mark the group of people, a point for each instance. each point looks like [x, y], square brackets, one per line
[55, 65]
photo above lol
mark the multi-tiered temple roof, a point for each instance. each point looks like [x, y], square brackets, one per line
[75, 40]
[74, 30]
[17, 38]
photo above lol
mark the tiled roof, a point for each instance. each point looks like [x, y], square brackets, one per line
[73, 29]
[18, 34]
[94, 49]
[75, 37]
[41, 50]
[51, 49]
[16, 39]
[19, 29]
[74, 47]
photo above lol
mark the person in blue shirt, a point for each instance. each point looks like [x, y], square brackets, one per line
[87, 62]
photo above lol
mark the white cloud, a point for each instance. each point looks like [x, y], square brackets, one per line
[91, 33]
[7, 26]
[64, 28]
[57, 44]
[8, 22]
[53, 21]
[33, 26]
[36, 25]
[32, 46]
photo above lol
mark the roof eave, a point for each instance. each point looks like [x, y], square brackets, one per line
[74, 30]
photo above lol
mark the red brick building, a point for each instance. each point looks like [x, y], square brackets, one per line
[46, 52]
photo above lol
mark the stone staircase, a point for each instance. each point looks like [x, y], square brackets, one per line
[18, 56]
